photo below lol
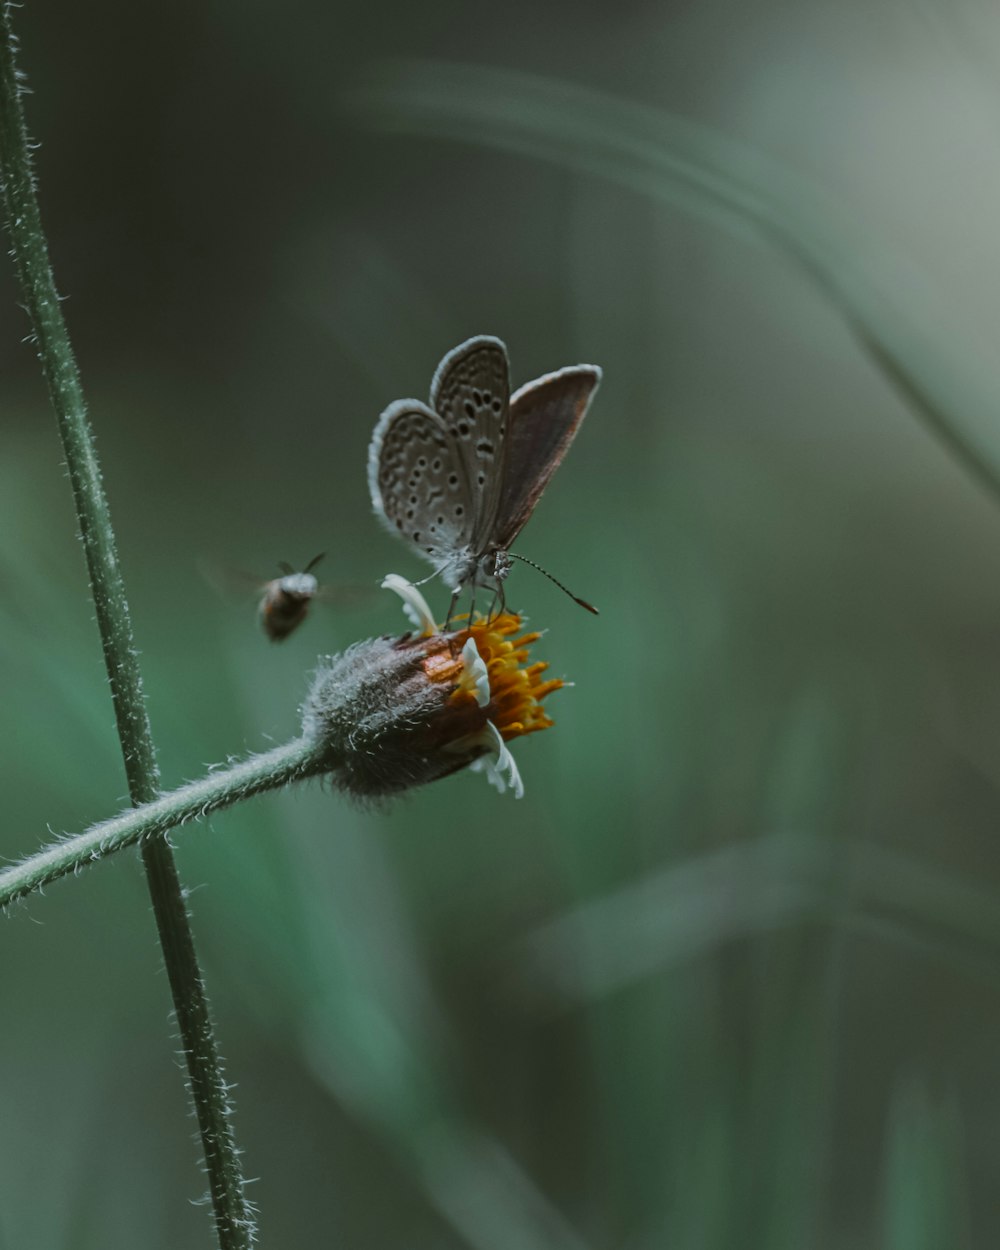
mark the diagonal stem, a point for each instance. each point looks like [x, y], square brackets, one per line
[233, 1215]
[222, 787]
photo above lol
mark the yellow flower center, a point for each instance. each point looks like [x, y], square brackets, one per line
[516, 686]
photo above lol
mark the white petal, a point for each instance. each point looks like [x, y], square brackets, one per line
[506, 761]
[414, 604]
[495, 766]
[488, 765]
[475, 676]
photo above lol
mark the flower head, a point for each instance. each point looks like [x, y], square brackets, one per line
[398, 712]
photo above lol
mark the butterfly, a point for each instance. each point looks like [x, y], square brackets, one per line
[459, 477]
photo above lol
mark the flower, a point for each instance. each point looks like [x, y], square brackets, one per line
[398, 712]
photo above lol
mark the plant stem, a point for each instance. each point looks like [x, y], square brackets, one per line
[233, 1215]
[221, 788]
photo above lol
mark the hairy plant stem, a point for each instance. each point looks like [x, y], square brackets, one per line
[234, 1220]
[221, 788]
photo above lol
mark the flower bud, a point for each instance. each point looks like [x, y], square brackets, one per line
[393, 713]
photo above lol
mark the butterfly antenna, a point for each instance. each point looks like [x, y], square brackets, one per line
[285, 567]
[566, 591]
[313, 562]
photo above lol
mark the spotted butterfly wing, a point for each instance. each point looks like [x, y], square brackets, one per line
[434, 472]
[544, 417]
[471, 393]
[418, 481]
[460, 477]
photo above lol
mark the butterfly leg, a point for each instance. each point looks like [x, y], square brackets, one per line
[451, 607]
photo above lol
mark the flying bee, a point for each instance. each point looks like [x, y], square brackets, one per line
[283, 602]
[284, 605]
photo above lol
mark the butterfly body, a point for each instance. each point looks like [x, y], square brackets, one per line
[460, 476]
[466, 567]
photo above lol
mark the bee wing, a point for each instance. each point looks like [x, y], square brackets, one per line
[346, 594]
[544, 417]
[231, 583]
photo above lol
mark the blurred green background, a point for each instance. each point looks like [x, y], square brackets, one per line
[729, 975]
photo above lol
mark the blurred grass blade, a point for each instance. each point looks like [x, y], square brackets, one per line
[350, 972]
[925, 1205]
[487, 1197]
[689, 909]
[949, 384]
[674, 915]
[397, 1084]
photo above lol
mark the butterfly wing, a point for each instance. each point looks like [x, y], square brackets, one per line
[544, 417]
[471, 392]
[418, 481]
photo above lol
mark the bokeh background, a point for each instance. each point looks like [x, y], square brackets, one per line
[729, 975]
